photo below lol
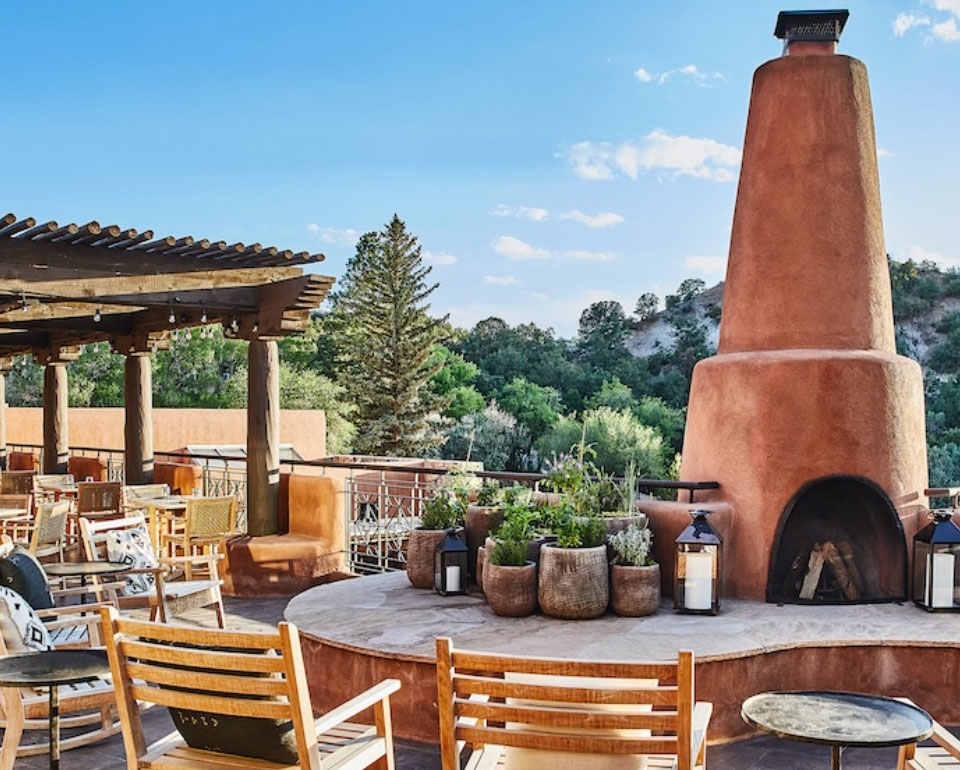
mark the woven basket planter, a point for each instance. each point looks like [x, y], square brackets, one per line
[482, 559]
[635, 591]
[481, 521]
[574, 582]
[511, 591]
[621, 521]
[536, 545]
[421, 548]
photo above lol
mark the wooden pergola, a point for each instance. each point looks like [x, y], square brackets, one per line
[65, 286]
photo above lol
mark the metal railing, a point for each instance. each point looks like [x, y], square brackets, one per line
[382, 498]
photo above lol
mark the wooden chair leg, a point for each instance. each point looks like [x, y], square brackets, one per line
[12, 732]
[219, 608]
[381, 712]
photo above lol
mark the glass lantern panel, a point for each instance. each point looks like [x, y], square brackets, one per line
[920, 553]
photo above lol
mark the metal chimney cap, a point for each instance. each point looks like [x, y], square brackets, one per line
[811, 25]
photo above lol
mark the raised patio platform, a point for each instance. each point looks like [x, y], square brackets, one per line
[356, 632]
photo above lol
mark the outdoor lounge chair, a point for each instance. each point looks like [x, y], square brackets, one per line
[165, 594]
[222, 688]
[499, 704]
[943, 755]
[88, 704]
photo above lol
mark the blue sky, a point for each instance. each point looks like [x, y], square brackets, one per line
[547, 154]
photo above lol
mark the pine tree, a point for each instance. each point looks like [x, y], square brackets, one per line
[385, 339]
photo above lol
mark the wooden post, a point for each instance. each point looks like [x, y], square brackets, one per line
[56, 439]
[263, 437]
[138, 425]
[3, 419]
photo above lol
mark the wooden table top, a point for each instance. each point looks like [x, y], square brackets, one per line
[45, 669]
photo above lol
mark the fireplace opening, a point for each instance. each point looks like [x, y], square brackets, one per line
[840, 541]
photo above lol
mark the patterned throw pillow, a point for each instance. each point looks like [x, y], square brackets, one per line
[20, 627]
[133, 548]
[21, 572]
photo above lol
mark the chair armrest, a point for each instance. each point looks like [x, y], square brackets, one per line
[74, 609]
[198, 559]
[701, 719]
[354, 706]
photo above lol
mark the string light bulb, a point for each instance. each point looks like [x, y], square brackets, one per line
[96, 316]
[203, 317]
[172, 318]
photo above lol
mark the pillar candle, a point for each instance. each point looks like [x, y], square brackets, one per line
[453, 579]
[698, 581]
[940, 571]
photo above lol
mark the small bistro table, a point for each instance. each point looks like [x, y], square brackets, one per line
[83, 570]
[838, 720]
[51, 670]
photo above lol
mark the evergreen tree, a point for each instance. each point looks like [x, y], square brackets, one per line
[385, 343]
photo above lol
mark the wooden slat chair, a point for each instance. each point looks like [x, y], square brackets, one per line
[495, 702]
[88, 704]
[13, 524]
[205, 523]
[135, 496]
[943, 755]
[42, 480]
[17, 482]
[186, 668]
[99, 499]
[170, 596]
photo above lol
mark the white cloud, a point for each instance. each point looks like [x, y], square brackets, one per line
[590, 256]
[906, 21]
[951, 6]
[521, 212]
[346, 237]
[690, 72]
[919, 253]
[707, 266]
[500, 280]
[882, 153]
[514, 248]
[439, 258]
[601, 219]
[946, 31]
[674, 155]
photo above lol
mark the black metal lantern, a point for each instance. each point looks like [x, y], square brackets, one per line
[936, 564]
[696, 587]
[450, 565]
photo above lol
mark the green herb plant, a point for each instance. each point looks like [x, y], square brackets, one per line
[442, 511]
[632, 547]
[490, 494]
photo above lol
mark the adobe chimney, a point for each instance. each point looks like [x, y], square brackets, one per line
[806, 33]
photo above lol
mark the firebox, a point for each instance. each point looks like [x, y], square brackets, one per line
[806, 416]
[840, 540]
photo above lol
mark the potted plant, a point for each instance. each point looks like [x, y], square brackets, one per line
[574, 583]
[441, 512]
[509, 578]
[483, 517]
[634, 576]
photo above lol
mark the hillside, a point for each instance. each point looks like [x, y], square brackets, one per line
[926, 313]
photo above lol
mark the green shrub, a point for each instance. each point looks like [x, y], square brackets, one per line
[490, 493]
[442, 511]
[509, 553]
[581, 532]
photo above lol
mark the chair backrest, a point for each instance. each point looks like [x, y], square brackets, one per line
[21, 502]
[210, 516]
[135, 492]
[99, 497]
[52, 479]
[50, 524]
[208, 671]
[93, 534]
[17, 482]
[479, 693]
[182, 478]
[23, 461]
[93, 468]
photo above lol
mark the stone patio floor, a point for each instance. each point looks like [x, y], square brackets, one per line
[258, 614]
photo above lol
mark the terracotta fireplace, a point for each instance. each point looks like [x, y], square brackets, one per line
[807, 417]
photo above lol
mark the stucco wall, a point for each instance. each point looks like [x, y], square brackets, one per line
[172, 428]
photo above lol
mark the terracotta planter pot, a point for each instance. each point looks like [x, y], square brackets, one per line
[481, 521]
[620, 521]
[421, 548]
[482, 552]
[511, 591]
[574, 582]
[635, 591]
